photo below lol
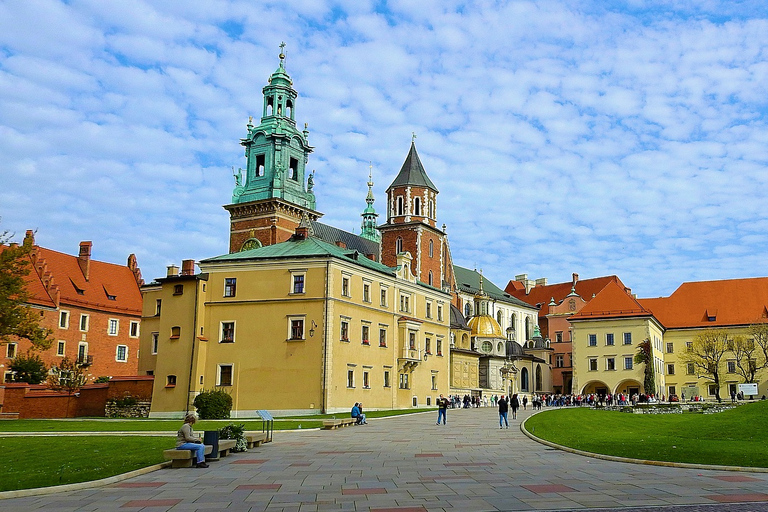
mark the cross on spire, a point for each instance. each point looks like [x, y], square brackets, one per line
[413, 136]
[282, 51]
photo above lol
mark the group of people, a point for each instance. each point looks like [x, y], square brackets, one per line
[357, 413]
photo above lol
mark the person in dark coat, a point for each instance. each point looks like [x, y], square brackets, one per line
[503, 411]
[514, 402]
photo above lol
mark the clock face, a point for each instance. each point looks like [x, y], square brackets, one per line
[249, 244]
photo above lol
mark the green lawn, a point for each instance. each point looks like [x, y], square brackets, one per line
[732, 438]
[44, 461]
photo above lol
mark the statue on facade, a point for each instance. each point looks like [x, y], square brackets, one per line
[238, 176]
[311, 181]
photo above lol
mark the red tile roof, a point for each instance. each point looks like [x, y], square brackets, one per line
[613, 301]
[586, 288]
[728, 302]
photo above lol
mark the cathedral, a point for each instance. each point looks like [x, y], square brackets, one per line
[301, 316]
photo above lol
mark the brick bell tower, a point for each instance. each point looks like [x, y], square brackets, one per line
[412, 225]
[274, 191]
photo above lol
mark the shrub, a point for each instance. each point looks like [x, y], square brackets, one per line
[214, 404]
[102, 380]
[29, 368]
[237, 432]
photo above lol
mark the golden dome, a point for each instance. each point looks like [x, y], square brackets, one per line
[485, 326]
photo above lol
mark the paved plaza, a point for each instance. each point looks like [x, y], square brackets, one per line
[408, 463]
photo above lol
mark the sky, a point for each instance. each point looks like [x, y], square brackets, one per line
[605, 137]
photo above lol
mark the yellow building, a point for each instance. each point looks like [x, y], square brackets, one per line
[297, 327]
[606, 334]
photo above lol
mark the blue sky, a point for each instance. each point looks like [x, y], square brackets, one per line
[601, 138]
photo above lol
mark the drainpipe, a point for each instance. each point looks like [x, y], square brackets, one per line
[192, 355]
[325, 336]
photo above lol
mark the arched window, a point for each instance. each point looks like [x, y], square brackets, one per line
[399, 205]
[431, 209]
[417, 206]
[499, 318]
[399, 245]
[527, 327]
[430, 278]
[524, 379]
[431, 248]
[270, 104]
[464, 341]
[513, 321]
[289, 108]
[538, 378]
[467, 310]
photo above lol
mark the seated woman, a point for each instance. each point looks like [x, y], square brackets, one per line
[357, 413]
[186, 440]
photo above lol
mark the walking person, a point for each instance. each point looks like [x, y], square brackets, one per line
[503, 411]
[442, 408]
[515, 404]
[525, 401]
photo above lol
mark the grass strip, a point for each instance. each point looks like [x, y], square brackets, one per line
[730, 438]
[30, 462]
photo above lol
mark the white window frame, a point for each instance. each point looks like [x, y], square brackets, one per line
[365, 325]
[670, 368]
[629, 362]
[624, 338]
[346, 282]
[366, 378]
[610, 339]
[303, 318]
[439, 312]
[85, 352]
[428, 309]
[610, 361]
[87, 319]
[294, 274]
[342, 321]
[61, 344]
[367, 292]
[116, 324]
[154, 340]
[8, 347]
[117, 353]
[64, 315]
[232, 289]
[221, 331]
[232, 374]
[350, 377]
[137, 324]
[385, 290]
[592, 364]
[591, 340]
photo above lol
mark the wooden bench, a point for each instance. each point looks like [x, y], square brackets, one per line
[183, 458]
[254, 439]
[332, 424]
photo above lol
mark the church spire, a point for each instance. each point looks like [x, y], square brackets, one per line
[369, 215]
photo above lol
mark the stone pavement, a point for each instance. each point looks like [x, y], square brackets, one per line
[408, 463]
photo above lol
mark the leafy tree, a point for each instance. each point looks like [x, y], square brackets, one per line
[645, 356]
[16, 319]
[759, 334]
[746, 353]
[706, 355]
[29, 368]
[68, 376]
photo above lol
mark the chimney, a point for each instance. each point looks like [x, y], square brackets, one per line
[302, 233]
[187, 267]
[173, 271]
[84, 258]
[528, 283]
[575, 279]
[29, 238]
[542, 281]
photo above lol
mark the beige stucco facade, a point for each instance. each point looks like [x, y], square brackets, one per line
[297, 350]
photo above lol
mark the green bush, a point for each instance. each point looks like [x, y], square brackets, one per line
[28, 368]
[237, 432]
[214, 404]
[102, 380]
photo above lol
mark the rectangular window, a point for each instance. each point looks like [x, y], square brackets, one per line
[383, 297]
[593, 365]
[113, 327]
[178, 289]
[122, 354]
[350, 378]
[298, 283]
[366, 381]
[434, 381]
[170, 381]
[670, 369]
[405, 304]
[609, 338]
[84, 323]
[672, 390]
[627, 338]
[404, 381]
[690, 369]
[439, 313]
[386, 379]
[175, 332]
[366, 292]
[64, 319]
[412, 340]
[134, 330]
[60, 348]
[559, 337]
[230, 286]
[344, 330]
[712, 389]
[428, 345]
[429, 310]
[689, 346]
[155, 337]
[628, 361]
[382, 337]
[10, 350]
[365, 334]
[297, 328]
[225, 375]
[227, 332]
[670, 349]
[610, 364]
[158, 307]
[559, 361]
[731, 366]
[345, 286]
[593, 340]
[439, 347]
